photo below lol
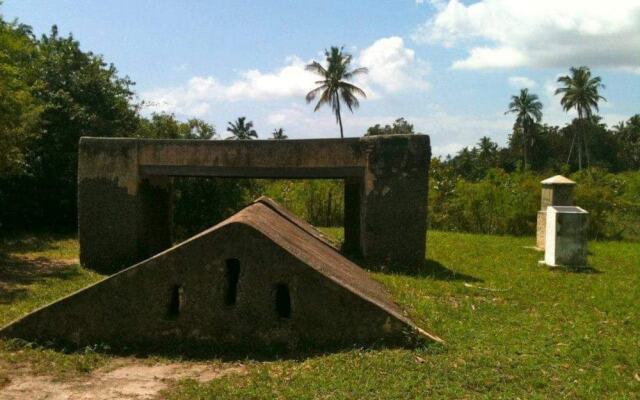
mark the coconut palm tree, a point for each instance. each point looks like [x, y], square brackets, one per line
[278, 134]
[334, 88]
[528, 110]
[581, 92]
[241, 130]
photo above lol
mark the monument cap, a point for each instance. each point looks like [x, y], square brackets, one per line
[558, 180]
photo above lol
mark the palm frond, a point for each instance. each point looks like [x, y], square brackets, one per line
[352, 89]
[316, 67]
[312, 94]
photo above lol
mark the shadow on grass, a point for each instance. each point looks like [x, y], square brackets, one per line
[570, 270]
[430, 268]
[185, 351]
[16, 273]
[434, 270]
[22, 243]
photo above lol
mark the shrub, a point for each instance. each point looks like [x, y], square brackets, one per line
[502, 203]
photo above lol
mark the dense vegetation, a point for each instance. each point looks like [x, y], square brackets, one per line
[507, 203]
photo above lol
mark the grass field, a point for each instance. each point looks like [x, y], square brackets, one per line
[513, 329]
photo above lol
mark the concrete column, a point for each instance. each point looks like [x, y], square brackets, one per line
[352, 216]
[156, 215]
[395, 204]
[123, 218]
[108, 203]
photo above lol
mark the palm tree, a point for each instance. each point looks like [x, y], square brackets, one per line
[580, 91]
[334, 87]
[278, 134]
[241, 130]
[528, 110]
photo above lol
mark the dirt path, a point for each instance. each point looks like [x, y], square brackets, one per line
[122, 379]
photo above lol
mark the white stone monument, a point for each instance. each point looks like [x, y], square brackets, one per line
[566, 237]
[556, 191]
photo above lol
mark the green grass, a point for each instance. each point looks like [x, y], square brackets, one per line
[513, 329]
[34, 271]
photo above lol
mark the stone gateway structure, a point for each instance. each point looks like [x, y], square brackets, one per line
[262, 277]
[124, 190]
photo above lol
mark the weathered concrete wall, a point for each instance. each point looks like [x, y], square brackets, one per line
[395, 210]
[122, 216]
[124, 186]
[183, 295]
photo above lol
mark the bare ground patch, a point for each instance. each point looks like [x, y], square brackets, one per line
[121, 379]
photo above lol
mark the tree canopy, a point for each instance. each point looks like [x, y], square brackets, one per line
[241, 129]
[580, 91]
[399, 127]
[528, 111]
[334, 87]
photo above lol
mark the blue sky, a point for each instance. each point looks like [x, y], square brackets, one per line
[449, 67]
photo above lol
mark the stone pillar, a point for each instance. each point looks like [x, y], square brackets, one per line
[395, 201]
[122, 218]
[353, 198]
[566, 237]
[556, 191]
[156, 219]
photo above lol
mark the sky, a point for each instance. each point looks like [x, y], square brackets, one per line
[448, 67]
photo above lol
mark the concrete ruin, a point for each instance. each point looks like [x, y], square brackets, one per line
[556, 191]
[262, 277]
[566, 237]
[124, 190]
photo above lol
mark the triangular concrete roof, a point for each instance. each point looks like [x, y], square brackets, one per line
[269, 221]
[558, 180]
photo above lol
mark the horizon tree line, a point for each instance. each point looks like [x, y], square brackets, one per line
[580, 91]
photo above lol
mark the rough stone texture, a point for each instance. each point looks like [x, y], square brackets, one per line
[183, 294]
[556, 191]
[566, 237]
[124, 202]
[541, 229]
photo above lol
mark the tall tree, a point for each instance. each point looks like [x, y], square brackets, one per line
[166, 126]
[627, 135]
[278, 134]
[581, 92]
[334, 88]
[82, 95]
[19, 108]
[400, 127]
[241, 130]
[528, 110]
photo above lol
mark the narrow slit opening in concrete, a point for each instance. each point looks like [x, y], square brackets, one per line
[232, 275]
[283, 301]
[175, 302]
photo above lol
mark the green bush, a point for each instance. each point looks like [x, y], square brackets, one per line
[500, 203]
[613, 203]
[200, 203]
[503, 203]
[320, 202]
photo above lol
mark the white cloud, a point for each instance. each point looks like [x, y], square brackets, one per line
[196, 97]
[438, 4]
[276, 118]
[290, 80]
[542, 33]
[392, 68]
[447, 149]
[520, 82]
